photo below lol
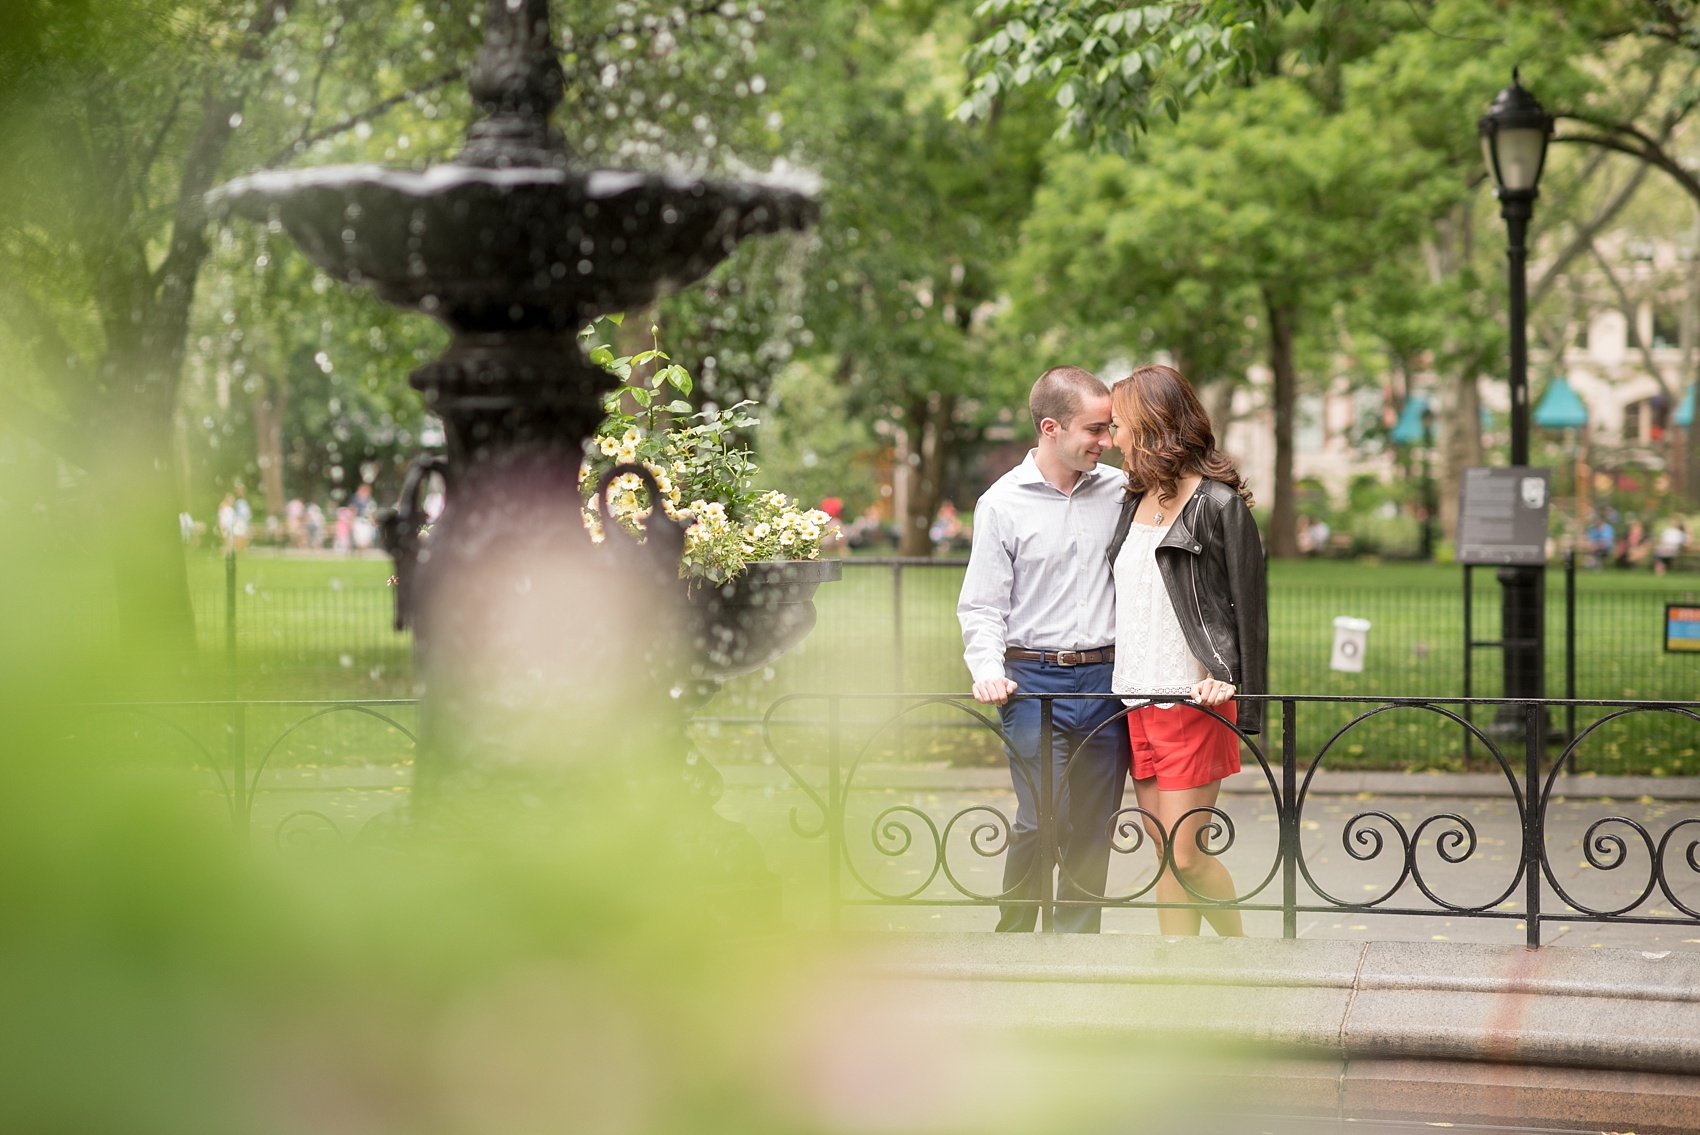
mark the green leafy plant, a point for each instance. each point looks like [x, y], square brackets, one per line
[704, 471]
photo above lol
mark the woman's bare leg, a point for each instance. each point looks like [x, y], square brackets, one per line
[1203, 873]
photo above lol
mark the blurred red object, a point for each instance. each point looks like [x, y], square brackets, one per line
[833, 507]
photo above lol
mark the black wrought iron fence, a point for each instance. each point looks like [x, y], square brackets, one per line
[903, 853]
[277, 749]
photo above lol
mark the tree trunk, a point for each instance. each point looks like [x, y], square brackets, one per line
[269, 407]
[138, 494]
[1283, 537]
[1460, 445]
[931, 421]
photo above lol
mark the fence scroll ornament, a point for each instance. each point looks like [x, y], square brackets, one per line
[1413, 853]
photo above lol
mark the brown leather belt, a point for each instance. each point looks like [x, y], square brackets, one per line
[1064, 657]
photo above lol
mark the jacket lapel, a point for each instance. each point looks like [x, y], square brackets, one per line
[1180, 534]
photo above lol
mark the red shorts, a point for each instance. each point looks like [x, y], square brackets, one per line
[1183, 747]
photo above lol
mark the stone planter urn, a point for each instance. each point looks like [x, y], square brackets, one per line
[750, 621]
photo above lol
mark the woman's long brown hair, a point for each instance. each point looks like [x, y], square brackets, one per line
[1165, 434]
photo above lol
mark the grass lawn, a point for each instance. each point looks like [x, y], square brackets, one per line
[320, 627]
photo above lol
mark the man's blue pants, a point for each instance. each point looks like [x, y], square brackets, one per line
[1088, 792]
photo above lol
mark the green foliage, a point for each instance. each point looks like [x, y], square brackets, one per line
[1111, 67]
[703, 470]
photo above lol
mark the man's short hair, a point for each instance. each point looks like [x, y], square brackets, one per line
[1060, 393]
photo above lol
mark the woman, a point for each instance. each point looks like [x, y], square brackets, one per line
[1190, 620]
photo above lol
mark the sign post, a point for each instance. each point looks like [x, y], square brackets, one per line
[1502, 522]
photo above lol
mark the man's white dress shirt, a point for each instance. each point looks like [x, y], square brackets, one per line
[1037, 577]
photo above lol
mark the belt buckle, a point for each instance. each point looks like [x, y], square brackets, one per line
[1070, 658]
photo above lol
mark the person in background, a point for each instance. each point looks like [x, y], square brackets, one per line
[1192, 622]
[1038, 615]
[295, 523]
[243, 528]
[315, 524]
[227, 522]
[833, 539]
[947, 527]
[1673, 538]
[1635, 546]
[1599, 540]
[343, 540]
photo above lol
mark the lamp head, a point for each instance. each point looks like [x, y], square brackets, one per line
[1514, 135]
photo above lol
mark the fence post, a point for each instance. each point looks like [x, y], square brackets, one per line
[1469, 650]
[1534, 835]
[1289, 820]
[1047, 858]
[835, 813]
[236, 738]
[1570, 654]
[901, 739]
[230, 618]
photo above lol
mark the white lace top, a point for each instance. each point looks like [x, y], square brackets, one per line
[1151, 652]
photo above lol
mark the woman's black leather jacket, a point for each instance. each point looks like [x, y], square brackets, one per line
[1211, 560]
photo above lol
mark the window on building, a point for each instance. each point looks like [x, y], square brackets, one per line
[1667, 327]
[1632, 421]
[1631, 331]
[1582, 334]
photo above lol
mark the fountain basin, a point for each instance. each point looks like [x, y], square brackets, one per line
[487, 249]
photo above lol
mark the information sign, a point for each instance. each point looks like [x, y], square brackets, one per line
[1682, 628]
[1502, 515]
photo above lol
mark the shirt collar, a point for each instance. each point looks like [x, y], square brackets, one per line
[1027, 473]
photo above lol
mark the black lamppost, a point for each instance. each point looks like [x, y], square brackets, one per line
[1514, 135]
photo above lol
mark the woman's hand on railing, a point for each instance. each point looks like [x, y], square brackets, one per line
[1212, 691]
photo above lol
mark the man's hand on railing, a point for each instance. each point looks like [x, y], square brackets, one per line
[1212, 691]
[993, 691]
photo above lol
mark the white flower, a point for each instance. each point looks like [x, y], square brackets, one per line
[775, 498]
[760, 531]
[608, 446]
[625, 453]
[632, 435]
[787, 538]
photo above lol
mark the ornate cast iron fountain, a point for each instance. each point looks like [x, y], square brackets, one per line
[523, 631]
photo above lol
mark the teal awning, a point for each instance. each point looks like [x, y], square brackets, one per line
[1685, 410]
[1408, 430]
[1560, 408]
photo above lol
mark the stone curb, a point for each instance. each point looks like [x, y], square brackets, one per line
[1620, 1010]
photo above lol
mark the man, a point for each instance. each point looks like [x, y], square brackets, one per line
[1038, 615]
